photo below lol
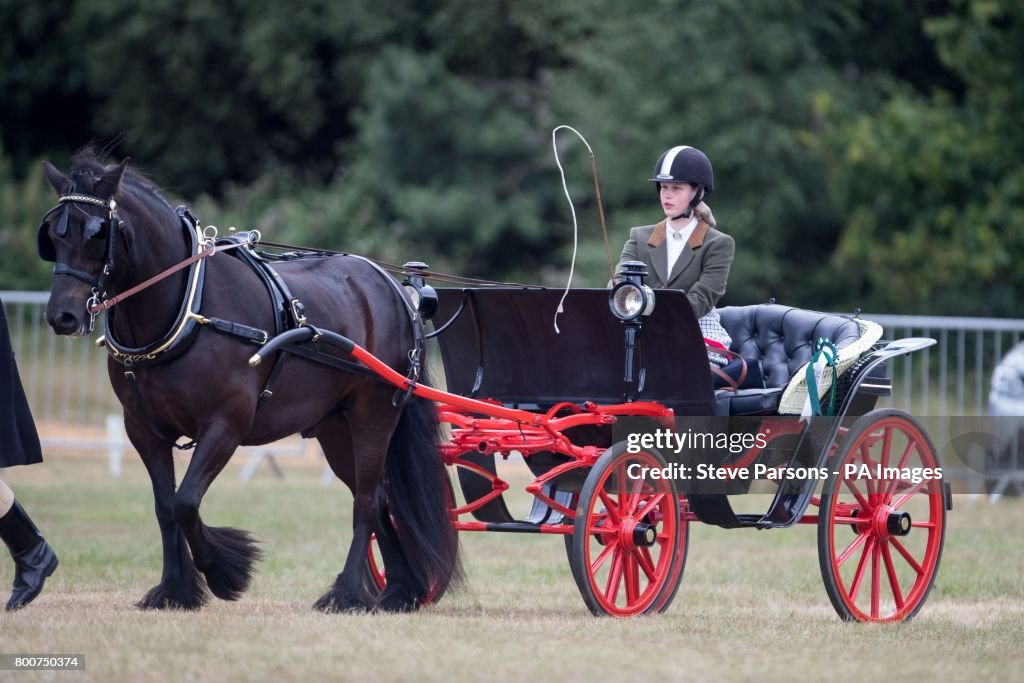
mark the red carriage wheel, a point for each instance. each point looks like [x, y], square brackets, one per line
[676, 574]
[375, 574]
[375, 577]
[880, 538]
[626, 556]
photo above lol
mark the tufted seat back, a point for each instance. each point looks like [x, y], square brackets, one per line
[783, 338]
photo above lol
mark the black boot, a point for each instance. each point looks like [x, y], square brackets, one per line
[34, 559]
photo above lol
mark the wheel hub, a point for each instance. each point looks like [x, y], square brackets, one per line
[886, 522]
[898, 523]
[635, 534]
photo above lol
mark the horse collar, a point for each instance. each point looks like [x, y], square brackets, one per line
[178, 337]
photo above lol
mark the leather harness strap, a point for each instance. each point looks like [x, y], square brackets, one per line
[730, 383]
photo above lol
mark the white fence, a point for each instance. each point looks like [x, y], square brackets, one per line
[953, 377]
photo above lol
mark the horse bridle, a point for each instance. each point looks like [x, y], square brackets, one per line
[101, 234]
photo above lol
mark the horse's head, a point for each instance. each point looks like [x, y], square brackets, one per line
[83, 236]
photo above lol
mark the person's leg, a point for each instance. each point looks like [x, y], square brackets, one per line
[34, 559]
[6, 498]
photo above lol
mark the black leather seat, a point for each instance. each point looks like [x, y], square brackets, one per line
[782, 338]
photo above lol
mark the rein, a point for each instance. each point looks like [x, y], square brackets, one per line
[300, 251]
[210, 250]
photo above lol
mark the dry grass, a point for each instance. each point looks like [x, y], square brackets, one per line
[752, 606]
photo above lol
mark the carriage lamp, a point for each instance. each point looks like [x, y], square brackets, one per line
[423, 296]
[629, 301]
[631, 298]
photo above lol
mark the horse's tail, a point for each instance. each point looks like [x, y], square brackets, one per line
[419, 499]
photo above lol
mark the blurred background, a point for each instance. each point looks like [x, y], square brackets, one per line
[867, 152]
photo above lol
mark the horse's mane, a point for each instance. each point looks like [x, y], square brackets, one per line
[87, 165]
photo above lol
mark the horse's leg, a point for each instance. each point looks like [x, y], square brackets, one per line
[356, 452]
[180, 586]
[224, 555]
[400, 595]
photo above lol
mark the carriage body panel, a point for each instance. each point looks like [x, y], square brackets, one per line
[504, 346]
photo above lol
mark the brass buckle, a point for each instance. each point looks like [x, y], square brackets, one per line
[297, 312]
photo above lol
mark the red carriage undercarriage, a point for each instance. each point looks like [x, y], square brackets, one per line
[562, 401]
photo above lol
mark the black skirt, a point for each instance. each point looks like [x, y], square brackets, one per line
[19, 442]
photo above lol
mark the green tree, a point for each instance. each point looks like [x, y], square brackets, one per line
[444, 165]
[932, 186]
[22, 204]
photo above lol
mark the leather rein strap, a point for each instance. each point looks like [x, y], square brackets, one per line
[730, 383]
[114, 300]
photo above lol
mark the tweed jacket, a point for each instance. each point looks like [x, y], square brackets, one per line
[702, 269]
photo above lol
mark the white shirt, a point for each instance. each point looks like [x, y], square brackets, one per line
[677, 239]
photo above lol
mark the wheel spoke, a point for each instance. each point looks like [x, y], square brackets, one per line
[611, 589]
[894, 581]
[611, 507]
[859, 574]
[907, 556]
[633, 500]
[647, 563]
[631, 578]
[858, 495]
[849, 520]
[870, 484]
[652, 504]
[876, 571]
[886, 446]
[623, 491]
[890, 488]
[907, 496]
[852, 547]
[602, 557]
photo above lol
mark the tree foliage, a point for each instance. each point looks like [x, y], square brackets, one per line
[932, 184]
[865, 153]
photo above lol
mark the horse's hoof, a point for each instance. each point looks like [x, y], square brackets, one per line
[165, 597]
[335, 601]
[398, 600]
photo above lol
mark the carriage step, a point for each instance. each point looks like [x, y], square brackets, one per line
[542, 514]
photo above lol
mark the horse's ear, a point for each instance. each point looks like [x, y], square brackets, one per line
[56, 179]
[110, 181]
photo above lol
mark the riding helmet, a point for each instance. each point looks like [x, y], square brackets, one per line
[685, 165]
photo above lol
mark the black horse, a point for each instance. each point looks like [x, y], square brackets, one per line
[178, 365]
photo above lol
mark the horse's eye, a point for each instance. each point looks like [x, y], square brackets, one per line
[92, 227]
[94, 242]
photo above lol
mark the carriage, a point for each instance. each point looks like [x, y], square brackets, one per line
[577, 402]
[580, 402]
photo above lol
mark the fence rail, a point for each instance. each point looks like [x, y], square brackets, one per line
[953, 377]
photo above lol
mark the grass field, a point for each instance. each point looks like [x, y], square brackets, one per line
[751, 607]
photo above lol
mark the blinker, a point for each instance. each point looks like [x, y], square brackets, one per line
[62, 224]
